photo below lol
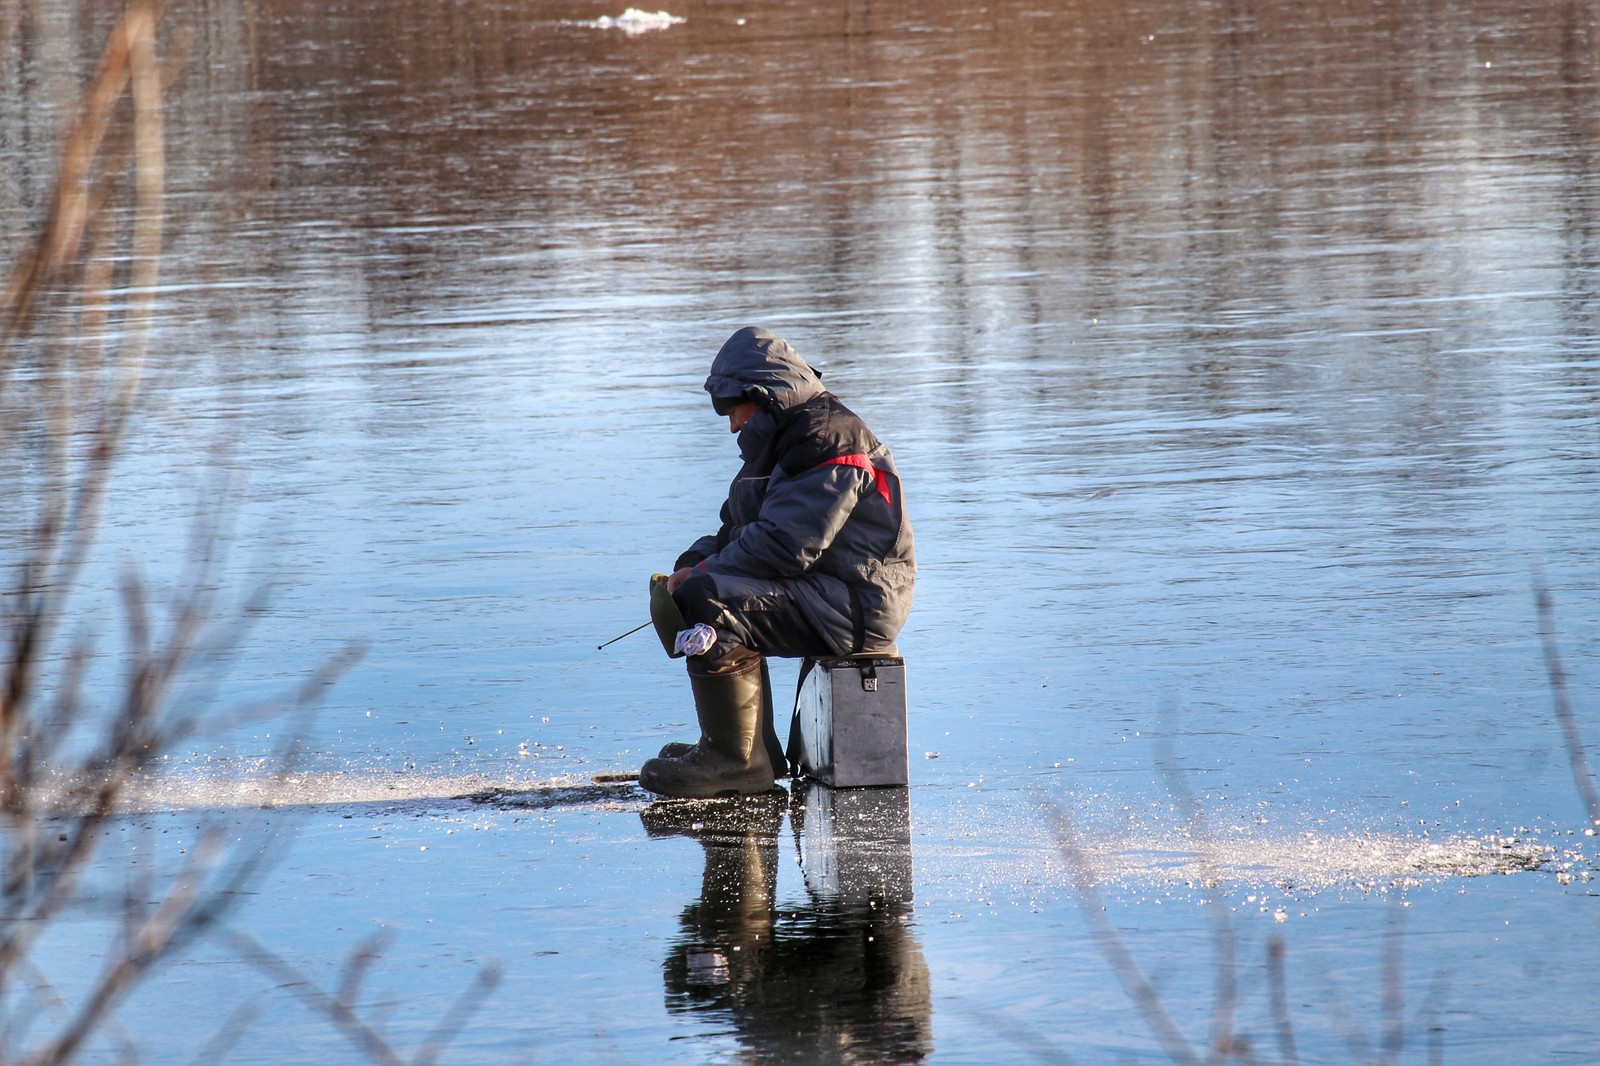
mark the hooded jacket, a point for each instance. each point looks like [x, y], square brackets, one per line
[817, 504]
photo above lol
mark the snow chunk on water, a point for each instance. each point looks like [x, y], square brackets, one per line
[633, 21]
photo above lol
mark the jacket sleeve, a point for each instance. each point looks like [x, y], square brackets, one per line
[696, 552]
[707, 545]
[800, 516]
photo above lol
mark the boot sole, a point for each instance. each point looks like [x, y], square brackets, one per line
[678, 749]
[750, 785]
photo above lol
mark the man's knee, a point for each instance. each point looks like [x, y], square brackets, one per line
[697, 599]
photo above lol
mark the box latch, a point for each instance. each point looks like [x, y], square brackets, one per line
[869, 677]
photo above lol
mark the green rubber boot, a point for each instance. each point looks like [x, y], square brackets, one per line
[677, 749]
[731, 757]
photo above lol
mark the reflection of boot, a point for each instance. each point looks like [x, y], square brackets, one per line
[721, 820]
[731, 757]
[769, 733]
[727, 932]
[840, 978]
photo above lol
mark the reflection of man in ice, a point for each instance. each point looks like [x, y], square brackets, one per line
[838, 979]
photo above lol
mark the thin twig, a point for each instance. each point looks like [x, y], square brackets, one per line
[1358, 1046]
[72, 205]
[457, 1017]
[1563, 704]
[1226, 990]
[1278, 986]
[1429, 1019]
[1115, 950]
[229, 1033]
[1393, 1009]
[366, 953]
[368, 1039]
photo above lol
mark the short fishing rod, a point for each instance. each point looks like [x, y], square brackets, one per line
[613, 640]
[658, 586]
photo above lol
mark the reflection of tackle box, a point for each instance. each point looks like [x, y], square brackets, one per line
[855, 844]
[851, 713]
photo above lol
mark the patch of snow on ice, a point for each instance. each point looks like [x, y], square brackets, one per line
[170, 793]
[634, 21]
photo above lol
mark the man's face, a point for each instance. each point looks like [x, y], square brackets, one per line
[739, 414]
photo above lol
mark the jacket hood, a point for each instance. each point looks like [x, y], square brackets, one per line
[756, 363]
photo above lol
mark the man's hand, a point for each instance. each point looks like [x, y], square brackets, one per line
[677, 578]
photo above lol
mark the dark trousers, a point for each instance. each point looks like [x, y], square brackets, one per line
[751, 616]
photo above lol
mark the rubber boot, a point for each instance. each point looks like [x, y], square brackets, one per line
[677, 749]
[731, 757]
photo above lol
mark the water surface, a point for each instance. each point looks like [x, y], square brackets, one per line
[1241, 364]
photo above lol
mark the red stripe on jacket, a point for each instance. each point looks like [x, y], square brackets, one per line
[862, 462]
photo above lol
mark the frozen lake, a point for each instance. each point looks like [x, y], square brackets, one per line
[1242, 365]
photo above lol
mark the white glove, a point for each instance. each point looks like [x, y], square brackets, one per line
[696, 640]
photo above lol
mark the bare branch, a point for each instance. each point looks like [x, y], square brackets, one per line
[181, 914]
[369, 1040]
[83, 400]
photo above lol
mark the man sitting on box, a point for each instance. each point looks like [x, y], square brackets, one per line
[814, 558]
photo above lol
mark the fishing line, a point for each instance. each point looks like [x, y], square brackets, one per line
[599, 647]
